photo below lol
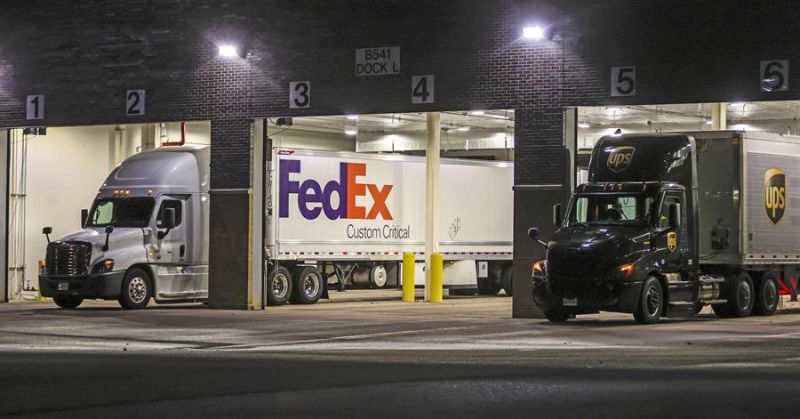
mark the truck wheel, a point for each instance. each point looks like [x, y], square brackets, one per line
[136, 289]
[766, 296]
[279, 286]
[742, 295]
[556, 316]
[487, 286]
[508, 281]
[68, 303]
[651, 303]
[378, 276]
[307, 285]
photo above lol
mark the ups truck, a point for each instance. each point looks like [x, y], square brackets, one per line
[670, 223]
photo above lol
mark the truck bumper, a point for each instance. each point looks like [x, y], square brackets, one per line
[589, 298]
[107, 286]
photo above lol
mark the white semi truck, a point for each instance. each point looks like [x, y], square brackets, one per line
[330, 216]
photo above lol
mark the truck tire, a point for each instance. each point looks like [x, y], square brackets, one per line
[136, 289]
[766, 296]
[307, 285]
[508, 281]
[279, 286]
[651, 302]
[556, 316]
[378, 276]
[67, 303]
[487, 286]
[741, 297]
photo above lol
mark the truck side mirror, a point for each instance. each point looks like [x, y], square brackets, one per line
[533, 233]
[47, 231]
[109, 230]
[675, 215]
[84, 217]
[168, 221]
[557, 215]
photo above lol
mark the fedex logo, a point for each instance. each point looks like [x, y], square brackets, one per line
[313, 199]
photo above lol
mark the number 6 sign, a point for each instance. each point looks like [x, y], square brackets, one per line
[623, 81]
[775, 75]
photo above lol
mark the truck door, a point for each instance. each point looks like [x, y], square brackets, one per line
[173, 283]
[672, 244]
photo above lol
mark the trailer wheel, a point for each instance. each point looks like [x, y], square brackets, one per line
[378, 276]
[556, 316]
[766, 296]
[307, 285]
[651, 302]
[279, 286]
[68, 303]
[136, 289]
[742, 295]
[507, 280]
[487, 286]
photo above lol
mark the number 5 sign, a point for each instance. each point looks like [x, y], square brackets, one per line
[775, 75]
[623, 81]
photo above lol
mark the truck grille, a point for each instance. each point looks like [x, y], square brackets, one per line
[573, 262]
[68, 258]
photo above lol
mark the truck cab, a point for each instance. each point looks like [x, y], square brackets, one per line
[625, 242]
[144, 236]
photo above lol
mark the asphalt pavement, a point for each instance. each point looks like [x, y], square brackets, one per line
[463, 358]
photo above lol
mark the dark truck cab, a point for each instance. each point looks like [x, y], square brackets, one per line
[630, 241]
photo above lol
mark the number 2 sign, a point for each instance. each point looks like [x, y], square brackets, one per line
[134, 102]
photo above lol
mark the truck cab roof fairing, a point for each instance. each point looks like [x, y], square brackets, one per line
[169, 170]
[639, 157]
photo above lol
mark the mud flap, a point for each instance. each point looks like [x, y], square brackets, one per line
[325, 286]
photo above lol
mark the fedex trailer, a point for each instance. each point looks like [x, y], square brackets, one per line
[346, 216]
[352, 216]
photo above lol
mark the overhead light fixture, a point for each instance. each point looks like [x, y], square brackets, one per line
[228, 51]
[533, 32]
[709, 122]
[462, 129]
[584, 125]
[350, 132]
[352, 117]
[613, 109]
[478, 113]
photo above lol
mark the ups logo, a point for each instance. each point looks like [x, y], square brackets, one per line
[775, 194]
[672, 241]
[620, 158]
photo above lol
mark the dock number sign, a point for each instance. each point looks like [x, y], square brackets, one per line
[380, 61]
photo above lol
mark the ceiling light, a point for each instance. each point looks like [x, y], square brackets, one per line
[709, 122]
[352, 117]
[350, 132]
[613, 110]
[228, 51]
[584, 125]
[477, 113]
[533, 32]
[463, 129]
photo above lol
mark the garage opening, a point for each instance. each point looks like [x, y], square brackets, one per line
[59, 183]
[731, 217]
[347, 199]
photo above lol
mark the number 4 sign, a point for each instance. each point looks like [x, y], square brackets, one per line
[421, 89]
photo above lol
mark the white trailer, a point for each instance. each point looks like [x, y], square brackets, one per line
[352, 216]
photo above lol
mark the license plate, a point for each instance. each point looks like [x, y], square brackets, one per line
[570, 302]
[63, 286]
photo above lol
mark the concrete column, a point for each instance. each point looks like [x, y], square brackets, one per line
[719, 116]
[4, 140]
[434, 126]
[571, 144]
[257, 216]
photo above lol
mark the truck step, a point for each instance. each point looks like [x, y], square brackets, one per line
[709, 302]
[707, 279]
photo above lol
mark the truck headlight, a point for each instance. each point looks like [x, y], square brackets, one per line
[625, 271]
[105, 265]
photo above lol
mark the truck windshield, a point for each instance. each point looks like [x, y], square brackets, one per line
[611, 209]
[121, 212]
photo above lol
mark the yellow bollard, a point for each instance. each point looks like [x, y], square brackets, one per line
[437, 274]
[408, 277]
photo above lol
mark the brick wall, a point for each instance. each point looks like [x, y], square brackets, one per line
[83, 55]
